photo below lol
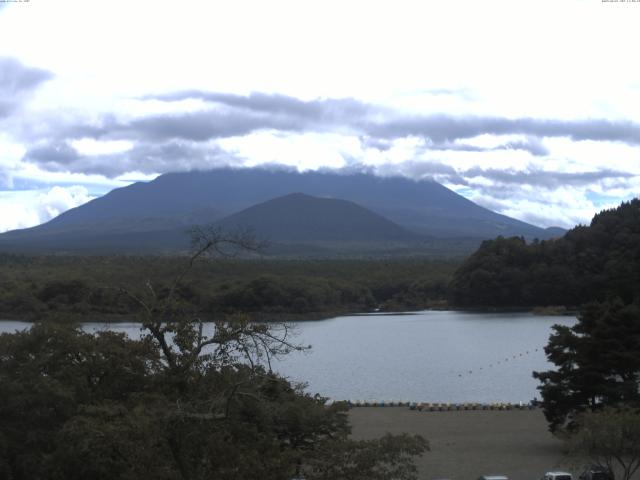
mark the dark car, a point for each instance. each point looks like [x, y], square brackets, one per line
[596, 472]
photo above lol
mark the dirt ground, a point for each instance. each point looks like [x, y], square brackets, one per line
[467, 444]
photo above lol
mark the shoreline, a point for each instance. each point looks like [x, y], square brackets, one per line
[316, 316]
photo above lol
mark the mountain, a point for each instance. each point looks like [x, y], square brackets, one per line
[298, 217]
[294, 224]
[163, 209]
[553, 232]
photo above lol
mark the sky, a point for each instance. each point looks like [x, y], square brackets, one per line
[530, 108]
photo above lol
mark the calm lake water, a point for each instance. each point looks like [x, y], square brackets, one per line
[427, 356]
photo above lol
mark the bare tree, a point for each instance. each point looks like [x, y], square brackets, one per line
[188, 343]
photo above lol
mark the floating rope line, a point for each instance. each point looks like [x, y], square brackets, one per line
[440, 407]
[501, 361]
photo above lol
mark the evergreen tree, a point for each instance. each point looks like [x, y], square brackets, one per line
[597, 360]
[589, 263]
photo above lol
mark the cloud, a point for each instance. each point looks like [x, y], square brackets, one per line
[235, 115]
[228, 115]
[60, 199]
[444, 128]
[26, 208]
[17, 81]
[146, 158]
[285, 112]
[369, 142]
[532, 145]
[203, 126]
[449, 91]
[189, 140]
[17, 212]
[545, 179]
[54, 153]
[422, 169]
[564, 207]
[317, 110]
[6, 179]
[504, 183]
[534, 195]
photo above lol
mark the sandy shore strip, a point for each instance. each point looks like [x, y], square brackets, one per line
[469, 443]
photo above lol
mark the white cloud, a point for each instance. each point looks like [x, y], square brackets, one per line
[91, 146]
[27, 208]
[309, 151]
[60, 199]
[563, 207]
[576, 156]
[10, 155]
[19, 210]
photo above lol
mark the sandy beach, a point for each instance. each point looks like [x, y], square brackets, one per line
[467, 444]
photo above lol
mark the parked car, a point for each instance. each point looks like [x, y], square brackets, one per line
[557, 476]
[596, 472]
[493, 477]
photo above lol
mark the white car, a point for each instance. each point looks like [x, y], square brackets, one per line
[557, 476]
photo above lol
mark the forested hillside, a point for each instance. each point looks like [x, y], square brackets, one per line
[589, 263]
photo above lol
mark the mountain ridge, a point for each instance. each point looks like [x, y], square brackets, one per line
[176, 201]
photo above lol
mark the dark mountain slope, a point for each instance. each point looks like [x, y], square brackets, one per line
[295, 224]
[424, 206]
[302, 218]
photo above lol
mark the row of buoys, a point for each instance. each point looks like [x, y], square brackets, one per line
[498, 362]
[434, 407]
[376, 403]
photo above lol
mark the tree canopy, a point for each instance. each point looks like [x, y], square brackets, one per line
[185, 401]
[597, 360]
[609, 439]
[40, 287]
[592, 262]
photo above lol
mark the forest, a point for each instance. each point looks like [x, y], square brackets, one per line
[90, 287]
[593, 262]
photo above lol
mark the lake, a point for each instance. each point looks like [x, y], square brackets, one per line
[431, 356]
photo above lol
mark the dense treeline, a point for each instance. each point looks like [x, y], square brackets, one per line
[90, 287]
[592, 262]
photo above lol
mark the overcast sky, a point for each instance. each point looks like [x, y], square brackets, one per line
[529, 108]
